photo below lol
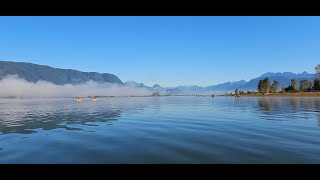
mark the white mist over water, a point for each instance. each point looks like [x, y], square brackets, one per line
[13, 86]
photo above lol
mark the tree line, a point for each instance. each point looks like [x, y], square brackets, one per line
[265, 86]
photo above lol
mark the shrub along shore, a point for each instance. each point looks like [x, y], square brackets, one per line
[265, 88]
[284, 94]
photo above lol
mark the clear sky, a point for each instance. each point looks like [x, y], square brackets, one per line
[169, 51]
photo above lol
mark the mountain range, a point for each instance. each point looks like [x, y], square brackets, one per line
[33, 73]
[251, 85]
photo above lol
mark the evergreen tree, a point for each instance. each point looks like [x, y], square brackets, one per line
[317, 69]
[260, 86]
[275, 86]
[294, 85]
[316, 84]
[305, 85]
[266, 85]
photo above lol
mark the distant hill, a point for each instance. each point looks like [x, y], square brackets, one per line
[284, 79]
[155, 88]
[33, 73]
[135, 84]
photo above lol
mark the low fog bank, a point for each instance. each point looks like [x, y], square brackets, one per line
[13, 86]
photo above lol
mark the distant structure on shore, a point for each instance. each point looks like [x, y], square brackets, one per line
[155, 94]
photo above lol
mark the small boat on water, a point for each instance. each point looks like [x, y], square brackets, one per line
[94, 99]
[79, 99]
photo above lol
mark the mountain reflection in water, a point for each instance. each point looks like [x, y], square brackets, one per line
[161, 130]
[286, 108]
[26, 115]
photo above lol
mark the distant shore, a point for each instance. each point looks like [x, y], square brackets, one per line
[166, 95]
[285, 94]
[278, 94]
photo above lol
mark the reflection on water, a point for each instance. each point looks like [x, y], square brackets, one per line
[289, 104]
[275, 105]
[24, 117]
[286, 108]
[161, 130]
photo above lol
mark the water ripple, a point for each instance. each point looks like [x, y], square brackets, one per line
[160, 130]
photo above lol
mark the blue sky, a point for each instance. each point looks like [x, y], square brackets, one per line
[169, 51]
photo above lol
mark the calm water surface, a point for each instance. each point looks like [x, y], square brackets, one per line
[161, 130]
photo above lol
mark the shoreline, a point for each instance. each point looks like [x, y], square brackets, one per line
[278, 94]
[286, 94]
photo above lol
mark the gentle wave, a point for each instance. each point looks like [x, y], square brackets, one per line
[160, 130]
